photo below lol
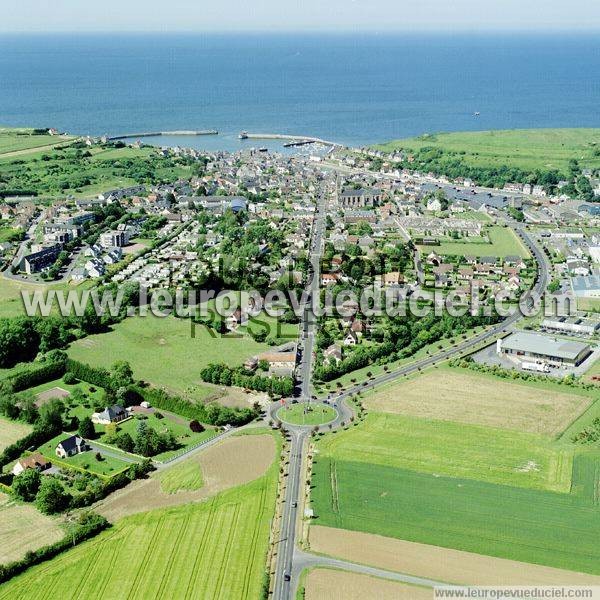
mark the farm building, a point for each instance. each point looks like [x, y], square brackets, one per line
[33, 461]
[535, 346]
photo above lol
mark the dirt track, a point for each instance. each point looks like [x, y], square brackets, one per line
[440, 564]
[234, 461]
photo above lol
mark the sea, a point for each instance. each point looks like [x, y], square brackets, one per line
[351, 88]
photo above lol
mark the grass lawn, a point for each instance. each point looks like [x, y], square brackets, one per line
[183, 476]
[461, 395]
[180, 430]
[163, 352]
[559, 530]
[298, 414]
[523, 148]
[11, 431]
[503, 242]
[445, 448]
[87, 461]
[214, 549]
[96, 395]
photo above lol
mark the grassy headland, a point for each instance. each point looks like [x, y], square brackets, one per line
[496, 156]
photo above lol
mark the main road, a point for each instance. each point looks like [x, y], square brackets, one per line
[291, 560]
[298, 435]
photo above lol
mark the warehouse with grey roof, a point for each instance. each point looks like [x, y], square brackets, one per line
[537, 347]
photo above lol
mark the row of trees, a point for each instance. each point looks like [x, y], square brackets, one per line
[221, 374]
[453, 164]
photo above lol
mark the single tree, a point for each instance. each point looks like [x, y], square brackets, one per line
[86, 429]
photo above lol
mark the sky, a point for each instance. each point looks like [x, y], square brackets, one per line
[297, 15]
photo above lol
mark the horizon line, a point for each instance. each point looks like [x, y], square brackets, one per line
[309, 31]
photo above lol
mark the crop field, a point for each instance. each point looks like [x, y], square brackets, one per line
[548, 528]
[231, 462]
[184, 476]
[214, 549]
[163, 352]
[24, 529]
[437, 563]
[502, 242]
[523, 148]
[466, 397]
[11, 431]
[323, 584]
[445, 448]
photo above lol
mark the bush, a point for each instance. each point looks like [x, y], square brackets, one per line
[37, 375]
[69, 378]
[196, 427]
[52, 496]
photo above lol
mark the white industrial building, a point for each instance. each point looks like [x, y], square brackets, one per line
[575, 325]
[535, 347]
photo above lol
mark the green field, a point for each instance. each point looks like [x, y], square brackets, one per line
[16, 140]
[560, 530]
[183, 476]
[11, 302]
[503, 242]
[215, 549]
[163, 352]
[79, 171]
[299, 414]
[11, 431]
[446, 448]
[527, 149]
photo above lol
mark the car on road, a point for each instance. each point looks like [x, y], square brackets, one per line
[286, 576]
[294, 504]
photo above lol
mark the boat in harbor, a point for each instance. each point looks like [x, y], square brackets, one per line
[243, 135]
[263, 149]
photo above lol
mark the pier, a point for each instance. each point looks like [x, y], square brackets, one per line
[126, 136]
[293, 140]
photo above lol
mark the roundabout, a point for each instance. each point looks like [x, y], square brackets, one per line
[308, 415]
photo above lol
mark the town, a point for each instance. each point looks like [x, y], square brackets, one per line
[297, 417]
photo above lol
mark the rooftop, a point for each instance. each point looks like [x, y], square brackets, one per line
[542, 344]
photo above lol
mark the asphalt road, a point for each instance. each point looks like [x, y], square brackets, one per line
[298, 435]
[290, 560]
